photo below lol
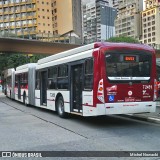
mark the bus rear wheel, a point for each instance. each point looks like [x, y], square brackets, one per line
[60, 108]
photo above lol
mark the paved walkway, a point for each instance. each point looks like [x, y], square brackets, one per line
[152, 117]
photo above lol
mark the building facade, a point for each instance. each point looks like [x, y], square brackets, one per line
[128, 21]
[151, 23]
[41, 18]
[98, 21]
[18, 18]
[115, 3]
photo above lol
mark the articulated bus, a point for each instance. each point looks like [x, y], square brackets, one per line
[24, 85]
[9, 82]
[96, 79]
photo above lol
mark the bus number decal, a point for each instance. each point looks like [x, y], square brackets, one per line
[145, 87]
[52, 94]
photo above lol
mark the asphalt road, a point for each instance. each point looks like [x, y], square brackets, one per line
[32, 129]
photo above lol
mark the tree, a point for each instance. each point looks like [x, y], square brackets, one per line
[12, 60]
[123, 39]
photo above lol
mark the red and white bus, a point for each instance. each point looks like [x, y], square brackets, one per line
[98, 79]
[9, 82]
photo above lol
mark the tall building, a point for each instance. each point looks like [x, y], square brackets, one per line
[98, 21]
[151, 23]
[67, 19]
[115, 3]
[18, 18]
[128, 21]
[36, 18]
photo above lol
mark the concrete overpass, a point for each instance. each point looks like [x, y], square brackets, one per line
[33, 46]
[37, 47]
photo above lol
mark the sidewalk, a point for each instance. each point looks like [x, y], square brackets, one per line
[151, 117]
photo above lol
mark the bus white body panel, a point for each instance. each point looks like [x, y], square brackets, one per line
[87, 98]
[76, 57]
[119, 108]
[51, 95]
[28, 91]
[19, 70]
[37, 98]
[22, 91]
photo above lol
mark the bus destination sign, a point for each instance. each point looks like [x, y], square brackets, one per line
[129, 58]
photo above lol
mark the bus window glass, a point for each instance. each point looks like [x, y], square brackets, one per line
[63, 71]
[89, 66]
[9, 81]
[24, 80]
[88, 82]
[128, 66]
[52, 78]
[37, 80]
[16, 81]
[62, 79]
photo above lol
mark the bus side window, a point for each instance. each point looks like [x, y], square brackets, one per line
[62, 79]
[52, 78]
[37, 80]
[88, 74]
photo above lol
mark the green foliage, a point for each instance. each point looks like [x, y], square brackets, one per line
[10, 60]
[123, 39]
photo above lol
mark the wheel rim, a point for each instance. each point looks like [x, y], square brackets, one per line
[61, 107]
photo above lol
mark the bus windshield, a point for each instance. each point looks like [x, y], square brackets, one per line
[128, 66]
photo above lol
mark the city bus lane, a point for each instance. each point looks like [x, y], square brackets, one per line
[38, 129]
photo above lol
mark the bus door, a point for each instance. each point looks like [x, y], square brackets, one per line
[19, 86]
[43, 88]
[76, 87]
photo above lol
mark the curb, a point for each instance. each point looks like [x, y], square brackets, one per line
[144, 118]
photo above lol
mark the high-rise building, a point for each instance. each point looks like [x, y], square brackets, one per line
[36, 18]
[115, 3]
[151, 23]
[98, 21]
[18, 18]
[67, 19]
[128, 21]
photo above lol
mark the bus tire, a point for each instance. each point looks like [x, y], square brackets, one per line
[60, 107]
[10, 95]
[5, 92]
[24, 99]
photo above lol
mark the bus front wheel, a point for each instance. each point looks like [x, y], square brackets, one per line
[60, 108]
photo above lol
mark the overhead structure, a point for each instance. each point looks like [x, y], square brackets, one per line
[33, 46]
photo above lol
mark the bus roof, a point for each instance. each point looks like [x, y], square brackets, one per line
[8, 72]
[25, 66]
[90, 47]
[66, 53]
